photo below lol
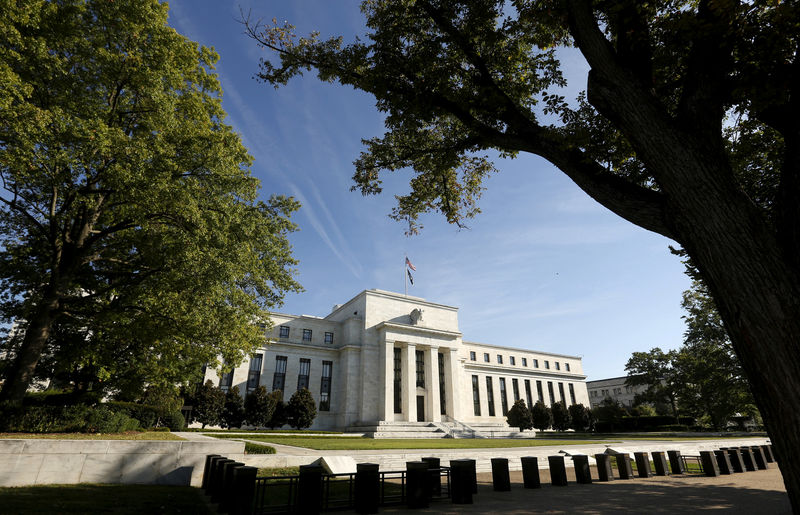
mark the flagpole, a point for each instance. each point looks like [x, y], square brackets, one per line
[405, 277]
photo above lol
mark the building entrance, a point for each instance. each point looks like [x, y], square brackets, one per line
[420, 408]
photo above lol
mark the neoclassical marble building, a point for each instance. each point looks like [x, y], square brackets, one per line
[384, 356]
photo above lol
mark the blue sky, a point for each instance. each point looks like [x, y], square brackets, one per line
[544, 267]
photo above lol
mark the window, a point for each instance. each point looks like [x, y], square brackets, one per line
[472, 355]
[442, 393]
[476, 397]
[420, 355]
[550, 391]
[279, 379]
[561, 392]
[535, 363]
[325, 387]
[571, 394]
[226, 381]
[306, 335]
[547, 365]
[500, 359]
[305, 370]
[490, 395]
[398, 374]
[284, 331]
[558, 366]
[539, 390]
[566, 366]
[503, 398]
[511, 360]
[515, 389]
[528, 395]
[486, 357]
[328, 337]
[524, 362]
[254, 374]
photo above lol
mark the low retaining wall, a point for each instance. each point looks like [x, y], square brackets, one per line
[42, 462]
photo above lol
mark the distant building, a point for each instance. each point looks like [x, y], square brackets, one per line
[614, 389]
[383, 357]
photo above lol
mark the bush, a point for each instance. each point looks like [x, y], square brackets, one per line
[233, 414]
[561, 417]
[254, 448]
[279, 415]
[673, 427]
[209, 401]
[301, 409]
[259, 407]
[542, 416]
[174, 421]
[520, 416]
[69, 419]
[147, 416]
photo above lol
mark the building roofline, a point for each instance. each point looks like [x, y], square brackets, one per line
[518, 349]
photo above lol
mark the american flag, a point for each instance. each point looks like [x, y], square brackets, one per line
[410, 265]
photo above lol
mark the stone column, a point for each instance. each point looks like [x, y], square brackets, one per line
[409, 382]
[433, 404]
[453, 390]
[387, 357]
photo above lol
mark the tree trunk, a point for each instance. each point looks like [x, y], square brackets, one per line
[30, 351]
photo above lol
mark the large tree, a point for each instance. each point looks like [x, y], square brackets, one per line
[690, 128]
[133, 247]
[656, 372]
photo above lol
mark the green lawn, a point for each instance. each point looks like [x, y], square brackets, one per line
[348, 443]
[91, 498]
[131, 435]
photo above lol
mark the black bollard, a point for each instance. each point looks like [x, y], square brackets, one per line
[643, 464]
[309, 489]
[660, 462]
[418, 487]
[735, 457]
[675, 462]
[530, 472]
[461, 481]
[244, 489]
[226, 499]
[215, 482]
[624, 466]
[558, 471]
[768, 453]
[747, 459]
[604, 472]
[758, 457]
[473, 475]
[501, 482]
[583, 474]
[709, 461]
[367, 488]
[435, 472]
[724, 462]
[207, 470]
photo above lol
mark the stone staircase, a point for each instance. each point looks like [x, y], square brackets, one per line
[390, 429]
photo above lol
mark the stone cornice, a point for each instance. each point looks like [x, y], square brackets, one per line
[416, 329]
[545, 374]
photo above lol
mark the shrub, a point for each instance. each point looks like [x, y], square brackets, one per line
[581, 417]
[254, 448]
[301, 410]
[147, 416]
[258, 407]
[68, 419]
[673, 427]
[209, 401]
[520, 416]
[279, 415]
[561, 417]
[542, 416]
[174, 421]
[233, 414]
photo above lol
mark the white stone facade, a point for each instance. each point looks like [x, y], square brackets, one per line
[615, 389]
[392, 357]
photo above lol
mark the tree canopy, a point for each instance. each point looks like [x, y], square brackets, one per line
[133, 246]
[689, 127]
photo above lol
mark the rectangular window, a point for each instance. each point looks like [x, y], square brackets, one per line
[306, 335]
[420, 355]
[503, 398]
[442, 392]
[486, 357]
[500, 359]
[561, 392]
[511, 360]
[528, 395]
[558, 366]
[279, 379]
[539, 392]
[398, 374]
[515, 389]
[566, 366]
[284, 331]
[547, 365]
[476, 397]
[490, 395]
[325, 387]
[535, 363]
[254, 374]
[328, 337]
[226, 381]
[572, 394]
[550, 391]
[305, 370]
[472, 355]
[524, 362]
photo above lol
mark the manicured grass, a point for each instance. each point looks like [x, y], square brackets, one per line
[647, 436]
[278, 471]
[261, 431]
[92, 498]
[347, 443]
[130, 435]
[254, 448]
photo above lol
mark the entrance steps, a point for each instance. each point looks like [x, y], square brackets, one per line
[398, 429]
